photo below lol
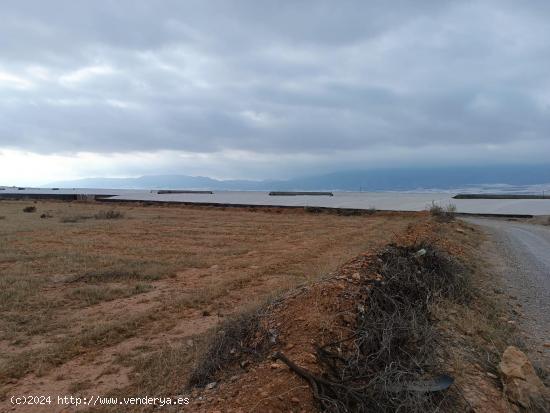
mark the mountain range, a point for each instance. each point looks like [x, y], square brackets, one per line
[398, 179]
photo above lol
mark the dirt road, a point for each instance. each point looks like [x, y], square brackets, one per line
[521, 255]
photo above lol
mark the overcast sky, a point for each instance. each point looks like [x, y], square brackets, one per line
[269, 89]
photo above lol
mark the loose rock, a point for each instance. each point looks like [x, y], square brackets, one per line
[210, 386]
[522, 386]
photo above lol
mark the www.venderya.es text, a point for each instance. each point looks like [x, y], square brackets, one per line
[93, 400]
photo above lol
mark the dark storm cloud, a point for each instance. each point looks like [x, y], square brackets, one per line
[273, 77]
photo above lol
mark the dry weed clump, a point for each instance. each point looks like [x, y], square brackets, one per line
[346, 212]
[111, 214]
[236, 339]
[443, 214]
[313, 210]
[29, 209]
[74, 218]
[388, 364]
[163, 371]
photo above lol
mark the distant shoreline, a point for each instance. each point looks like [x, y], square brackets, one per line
[500, 196]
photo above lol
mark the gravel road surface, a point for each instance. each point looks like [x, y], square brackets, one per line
[522, 259]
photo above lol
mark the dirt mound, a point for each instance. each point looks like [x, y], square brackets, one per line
[367, 344]
[388, 363]
[296, 324]
[363, 339]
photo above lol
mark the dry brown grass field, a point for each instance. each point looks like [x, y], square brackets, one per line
[96, 302]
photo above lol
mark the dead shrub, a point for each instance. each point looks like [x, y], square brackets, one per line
[29, 209]
[313, 210]
[384, 365]
[443, 214]
[346, 212]
[237, 338]
[111, 214]
[74, 218]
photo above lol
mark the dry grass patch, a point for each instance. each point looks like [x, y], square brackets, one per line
[163, 371]
[78, 386]
[125, 270]
[101, 215]
[93, 294]
[202, 262]
[111, 214]
[16, 291]
[98, 336]
[74, 218]
[243, 335]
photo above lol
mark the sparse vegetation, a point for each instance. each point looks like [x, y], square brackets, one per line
[346, 212]
[163, 371]
[16, 290]
[200, 263]
[74, 218]
[313, 210]
[124, 270]
[239, 337]
[79, 385]
[111, 214]
[98, 336]
[443, 214]
[29, 209]
[93, 294]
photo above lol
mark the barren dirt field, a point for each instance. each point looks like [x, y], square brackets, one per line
[96, 302]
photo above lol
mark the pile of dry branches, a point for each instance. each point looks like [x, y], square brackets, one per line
[389, 363]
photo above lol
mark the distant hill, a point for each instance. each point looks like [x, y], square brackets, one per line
[162, 182]
[399, 179]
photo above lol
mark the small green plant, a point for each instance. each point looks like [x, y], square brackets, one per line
[29, 209]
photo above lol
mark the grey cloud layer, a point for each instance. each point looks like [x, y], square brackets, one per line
[273, 77]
